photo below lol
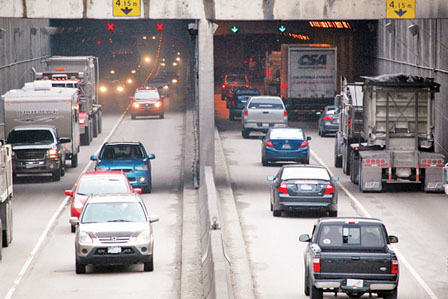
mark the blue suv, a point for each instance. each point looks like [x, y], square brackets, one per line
[129, 157]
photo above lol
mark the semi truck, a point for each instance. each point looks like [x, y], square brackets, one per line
[350, 102]
[42, 124]
[84, 72]
[308, 77]
[397, 134]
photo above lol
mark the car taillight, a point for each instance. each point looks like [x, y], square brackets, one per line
[230, 95]
[235, 83]
[304, 144]
[285, 113]
[247, 85]
[328, 117]
[316, 265]
[282, 188]
[268, 143]
[246, 113]
[329, 189]
[394, 266]
[223, 86]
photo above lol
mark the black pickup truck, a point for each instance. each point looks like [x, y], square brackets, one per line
[350, 255]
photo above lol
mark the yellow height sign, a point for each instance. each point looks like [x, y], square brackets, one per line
[127, 8]
[400, 9]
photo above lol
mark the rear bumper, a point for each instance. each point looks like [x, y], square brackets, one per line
[286, 155]
[368, 285]
[330, 128]
[263, 127]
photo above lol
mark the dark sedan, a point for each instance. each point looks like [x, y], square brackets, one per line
[285, 144]
[304, 188]
[328, 122]
[237, 100]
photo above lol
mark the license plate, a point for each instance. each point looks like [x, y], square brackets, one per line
[286, 146]
[355, 283]
[114, 250]
[306, 187]
[265, 125]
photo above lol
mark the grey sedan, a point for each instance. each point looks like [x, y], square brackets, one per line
[114, 229]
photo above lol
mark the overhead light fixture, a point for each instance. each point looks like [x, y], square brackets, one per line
[389, 27]
[18, 31]
[2, 32]
[34, 30]
[414, 29]
[49, 30]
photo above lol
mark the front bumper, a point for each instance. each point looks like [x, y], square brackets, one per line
[35, 166]
[148, 109]
[100, 256]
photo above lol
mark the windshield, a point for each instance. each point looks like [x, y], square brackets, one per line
[98, 185]
[121, 151]
[31, 137]
[113, 212]
[147, 95]
[351, 235]
[312, 173]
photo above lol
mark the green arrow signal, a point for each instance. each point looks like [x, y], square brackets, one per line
[282, 28]
[234, 29]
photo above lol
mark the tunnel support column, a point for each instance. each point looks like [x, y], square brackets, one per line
[206, 97]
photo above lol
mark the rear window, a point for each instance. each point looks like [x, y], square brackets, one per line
[238, 79]
[312, 173]
[266, 103]
[101, 185]
[287, 134]
[340, 235]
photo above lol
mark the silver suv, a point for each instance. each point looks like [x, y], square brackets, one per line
[262, 113]
[114, 229]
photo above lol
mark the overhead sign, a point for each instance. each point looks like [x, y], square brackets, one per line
[126, 8]
[234, 29]
[400, 9]
[281, 28]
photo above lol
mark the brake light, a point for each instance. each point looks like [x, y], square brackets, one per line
[285, 113]
[246, 113]
[328, 117]
[282, 188]
[247, 85]
[394, 266]
[230, 95]
[223, 86]
[329, 189]
[268, 143]
[316, 265]
[304, 144]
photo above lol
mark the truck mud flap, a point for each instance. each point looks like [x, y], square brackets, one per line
[370, 179]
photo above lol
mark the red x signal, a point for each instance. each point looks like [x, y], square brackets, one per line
[159, 27]
[110, 27]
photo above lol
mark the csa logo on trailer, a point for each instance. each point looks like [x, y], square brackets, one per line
[313, 60]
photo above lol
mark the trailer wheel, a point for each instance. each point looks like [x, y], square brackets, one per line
[74, 161]
[95, 126]
[346, 158]
[1, 233]
[360, 182]
[337, 159]
[100, 121]
[85, 138]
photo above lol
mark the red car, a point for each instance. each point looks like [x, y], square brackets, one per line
[147, 101]
[97, 182]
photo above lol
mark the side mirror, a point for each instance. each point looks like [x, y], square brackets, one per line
[335, 179]
[74, 221]
[137, 190]
[308, 138]
[304, 238]
[153, 218]
[68, 193]
[93, 158]
[270, 178]
[65, 140]
[163, 97]
[151, 156]
[393, 239]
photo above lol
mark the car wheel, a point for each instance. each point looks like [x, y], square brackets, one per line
[56, 176]
[231, 116]
[272, 207]
[319, 132]
[306, 287]
[72, 228]
[245, 133]
[322, 133]
[307, 161]
[161, 116]
[133, 116]
[147, 189]
[333, 213]
[149, 266]
[276, 213]
[74, 161]
[1, 235]
[264, 162]
[393, 295]
[80, 268]
[315, 293]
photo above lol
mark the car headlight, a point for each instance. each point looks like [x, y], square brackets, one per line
[143, 236]
[77, 204]
[120, 88]
[101, 168]
[165, 87]
[135, 105]
[85, 238]
[158, 104]
[103, 89]
[144, 167]
[53, 153]
[174, 81]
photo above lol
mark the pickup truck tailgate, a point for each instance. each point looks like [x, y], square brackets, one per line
[355, 264]
[265, 115]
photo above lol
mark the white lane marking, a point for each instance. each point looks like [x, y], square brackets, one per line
[367, 214]
[52, 221]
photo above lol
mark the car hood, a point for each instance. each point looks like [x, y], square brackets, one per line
[111, 228]
[119, 164]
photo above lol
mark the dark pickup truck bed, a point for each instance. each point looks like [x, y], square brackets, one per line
[350, 255]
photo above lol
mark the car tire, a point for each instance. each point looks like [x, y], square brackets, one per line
[307, 160]
[62, 168]
[333, 213]
[306, 287]
[149, 266]
[393, 295]
[72, 228]
[147, 189]
[74, 161]
[319, 132]
[6, 235]
[272, 207]
[276, 213]
[1, 235]
[95, 126]
[231, 116]
[347, 150]
[315, 293]
[80, 268]
[245, 133]
[133, 116]
[161, 116]
[264, 162]
[56, 176]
